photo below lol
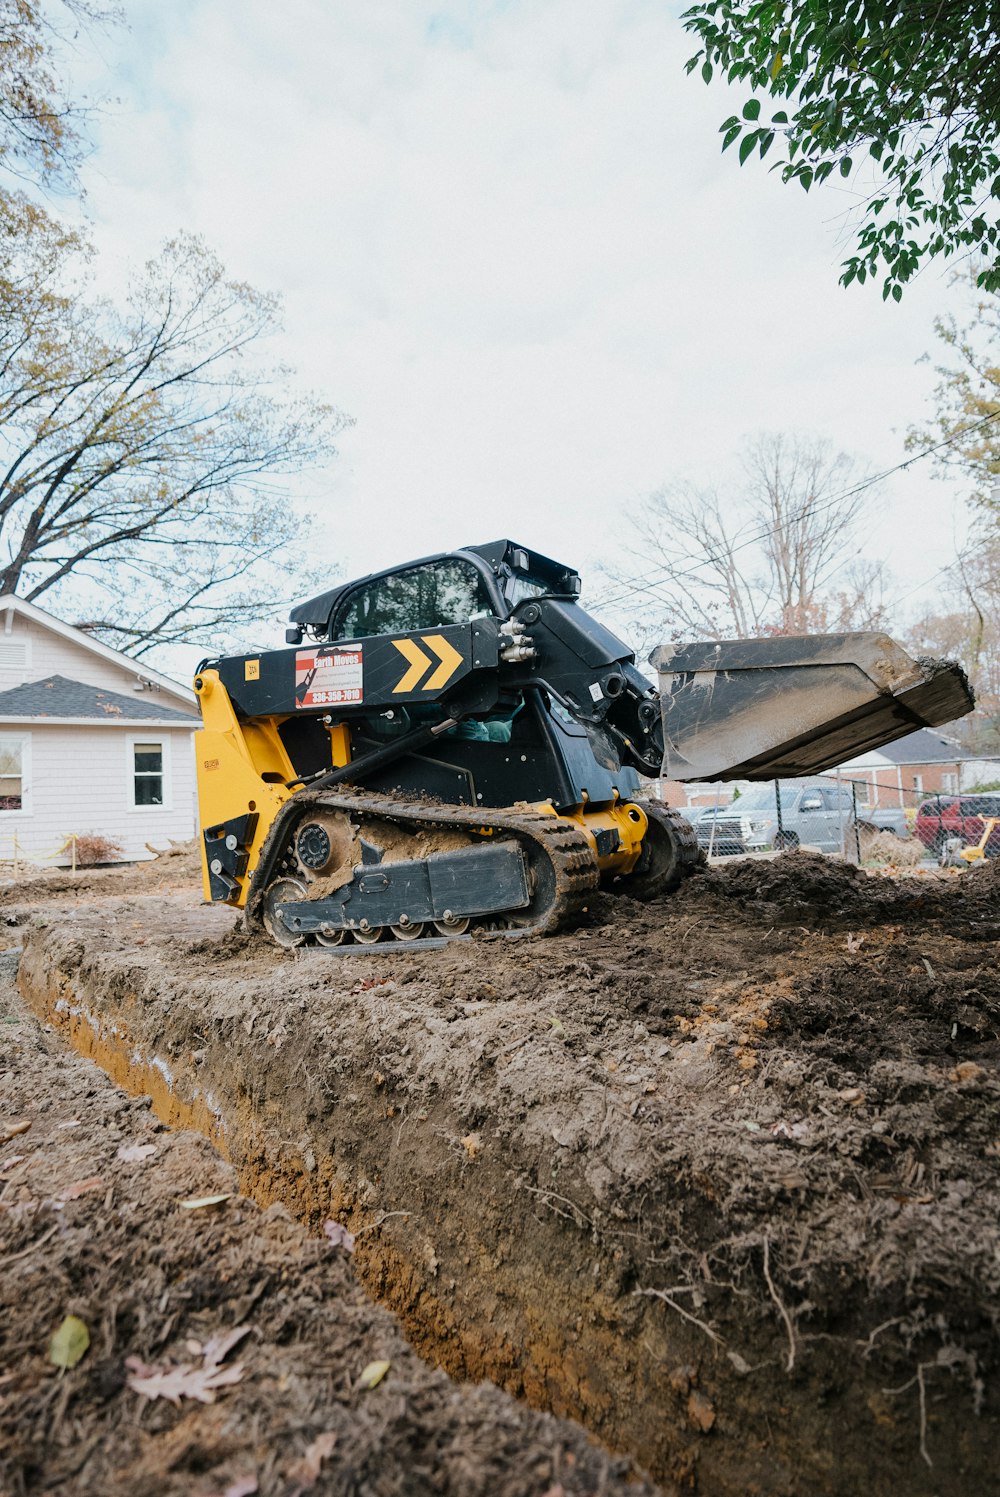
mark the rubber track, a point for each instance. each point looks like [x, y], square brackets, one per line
[690, 854]
[567, 850]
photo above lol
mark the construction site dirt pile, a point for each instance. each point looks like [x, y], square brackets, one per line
[318, 1392]
[178, 865]
[717, 1176]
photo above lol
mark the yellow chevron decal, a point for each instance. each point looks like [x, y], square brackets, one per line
[419, 662]
[450, 661]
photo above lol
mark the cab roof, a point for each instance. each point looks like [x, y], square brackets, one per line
[504, 558]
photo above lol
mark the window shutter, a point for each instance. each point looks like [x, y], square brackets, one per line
[13, 661]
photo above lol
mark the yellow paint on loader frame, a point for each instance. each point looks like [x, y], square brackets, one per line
[244, 767]
[232, 759]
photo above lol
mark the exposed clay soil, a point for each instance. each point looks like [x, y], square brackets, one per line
[89, 1229]
[719, 1176]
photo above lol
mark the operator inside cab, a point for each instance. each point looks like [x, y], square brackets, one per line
[486, 581]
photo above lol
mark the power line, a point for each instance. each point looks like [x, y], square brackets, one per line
[648, 583]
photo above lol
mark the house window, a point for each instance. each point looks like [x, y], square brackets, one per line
[13, 770]
[918, 783]
[148, 774]
[949, 782]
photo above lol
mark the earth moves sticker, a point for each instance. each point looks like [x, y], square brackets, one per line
[323, 680]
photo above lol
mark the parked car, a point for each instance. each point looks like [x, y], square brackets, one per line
[959, 816]
[814, 813]
[885, 819]
[716, 828]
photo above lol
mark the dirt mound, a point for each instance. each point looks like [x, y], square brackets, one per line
[814, 890]
[716, 1175]
[90, 1226]
[176, 866]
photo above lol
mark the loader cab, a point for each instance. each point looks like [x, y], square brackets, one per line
[429, 595]
[530, 748]
[450, 588]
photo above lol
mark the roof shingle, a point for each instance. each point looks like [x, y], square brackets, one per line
[57, 697]
[922, 747]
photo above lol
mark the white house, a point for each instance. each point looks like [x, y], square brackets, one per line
[91, 742]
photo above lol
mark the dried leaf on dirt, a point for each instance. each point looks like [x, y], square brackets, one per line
[339, 1235]
[80, 1188]
[13, 1130]
[966, 1070]
[218, 1347]
[243, 1486]
[132, 1153]
[197, 1202]
[373, 1374]
[69, 1342]
[700, 1412]
[175, 1383]
[472, 1143]
[8, 1164]
[305, 1472]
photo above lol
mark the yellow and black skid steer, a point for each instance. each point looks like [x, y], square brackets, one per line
[455, 745]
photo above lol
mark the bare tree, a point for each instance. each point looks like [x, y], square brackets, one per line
[140, 448]
[144, 447]
[776, 555]
[968, 629]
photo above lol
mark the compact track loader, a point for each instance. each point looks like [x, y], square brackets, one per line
[456, 744]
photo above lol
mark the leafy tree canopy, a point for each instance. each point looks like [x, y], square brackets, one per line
[966, 422]
[40, 125]
[914, 88]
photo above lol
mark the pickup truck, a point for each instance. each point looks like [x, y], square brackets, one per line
[814, 813]
[885, 819]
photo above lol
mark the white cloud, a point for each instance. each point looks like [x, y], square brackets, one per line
[509, 246]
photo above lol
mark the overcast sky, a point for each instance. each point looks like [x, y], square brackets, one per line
[509, 247]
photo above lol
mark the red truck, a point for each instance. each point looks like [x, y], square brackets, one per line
[963, 816]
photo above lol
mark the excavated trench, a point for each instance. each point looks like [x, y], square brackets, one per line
[717, 1178]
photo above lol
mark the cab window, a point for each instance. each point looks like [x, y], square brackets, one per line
[426, 597]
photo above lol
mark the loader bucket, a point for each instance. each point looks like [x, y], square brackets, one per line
[764, 709]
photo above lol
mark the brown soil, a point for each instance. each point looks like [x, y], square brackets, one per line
[717, 1176]
[87, 1232]
[178, 867]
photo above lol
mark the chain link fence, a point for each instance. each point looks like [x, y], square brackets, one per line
[840, 816]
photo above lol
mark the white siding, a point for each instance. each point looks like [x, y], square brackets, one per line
[80, 782]
[46, 653]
